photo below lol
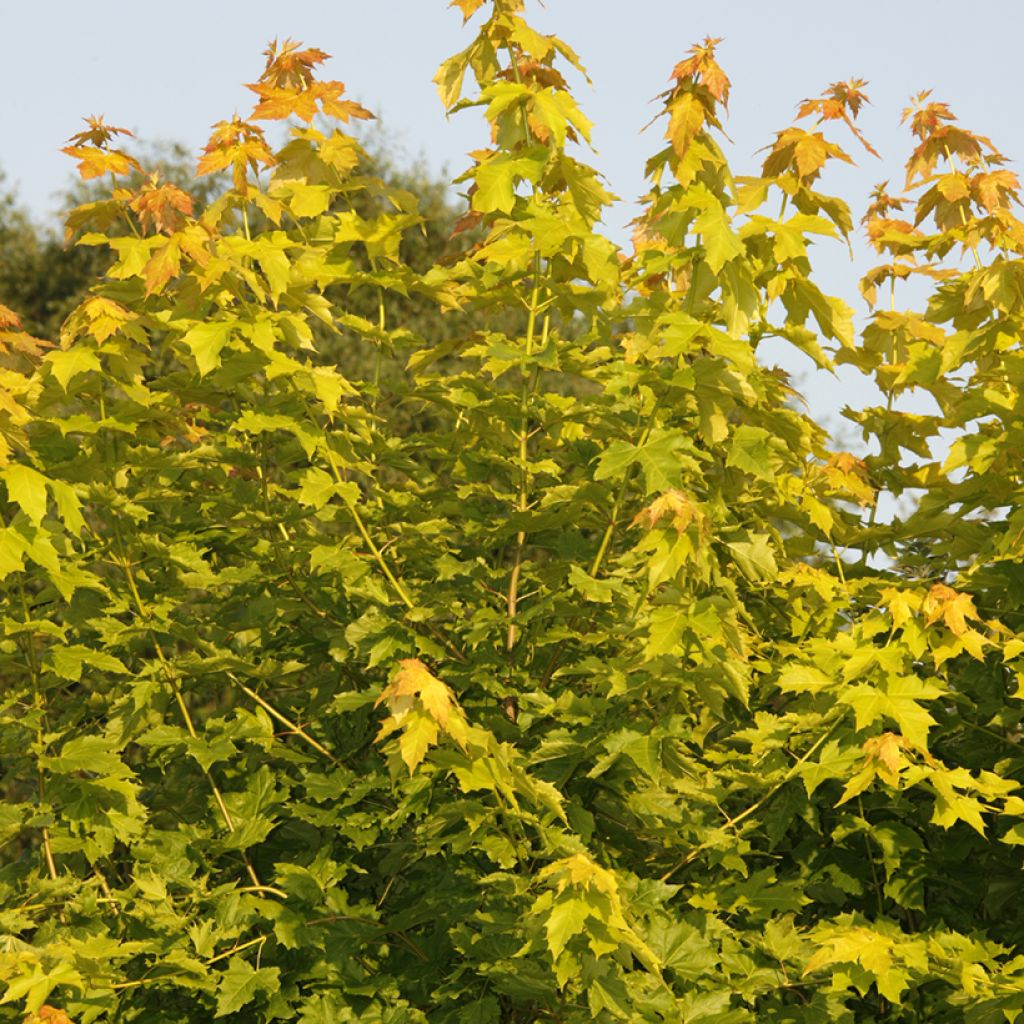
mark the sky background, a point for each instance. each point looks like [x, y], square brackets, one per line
[168, 72]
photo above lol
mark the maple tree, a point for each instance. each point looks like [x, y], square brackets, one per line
[567, 674]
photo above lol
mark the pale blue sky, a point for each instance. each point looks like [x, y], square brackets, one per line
[168, 71]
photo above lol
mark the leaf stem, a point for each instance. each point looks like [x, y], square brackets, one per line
[758, 804]
[283, 719]
[392, 578]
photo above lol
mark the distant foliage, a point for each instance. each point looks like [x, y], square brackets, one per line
[537, 669]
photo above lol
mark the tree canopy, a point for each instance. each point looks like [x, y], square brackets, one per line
[475, 630]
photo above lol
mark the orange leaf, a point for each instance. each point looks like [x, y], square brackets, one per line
[841, 101]
[673, 504]
[97, 134]
[48, 1015]
[995, 189]
[288, 67]
[8, 318]
[887, 748]
[239, 145]
[701, 66]
[161, 206]
[162, 266]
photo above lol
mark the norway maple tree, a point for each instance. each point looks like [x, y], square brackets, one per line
[552, 678]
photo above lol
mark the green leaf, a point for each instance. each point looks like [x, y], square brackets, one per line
[665, 631]
[206, 340]
[600, 591]
[69, 506]
[26, 487]
[721, 244]
[12, 551]
[567, 918]
[480, 1011]
[658, 457]
[750, 451]
[66, 364]
[67, 661]
[273, 261]
[496, 180]
[803, 679]
[317, 489]
[241, 983]
[755, 558]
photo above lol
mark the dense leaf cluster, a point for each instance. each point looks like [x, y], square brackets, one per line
[548, 679]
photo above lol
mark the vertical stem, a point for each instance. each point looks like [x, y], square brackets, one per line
[873, 515]
[172, 678]
[40, 709]
[619, 497]
[512, 602]
[378, 555]
[963, 216]
[381, 326]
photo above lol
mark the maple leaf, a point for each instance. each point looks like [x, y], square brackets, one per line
[847, 474]
[8, 318]
[881, 229]
[803, 152]
[841, 101]
[288, 67]
[467, 222]
[527, 70]
[888, 750]
[343, 110]
[468, 8]
[94, 162]
[680, 508]
[901, 604]
[995, 189]
[414, 680]
[701, 66]
[925, 117]
[278, 103]
[47, 1014]
[13, 337]
[940, 139]
[105, 317]
[89, 148]
[161, 205]
[882, 202]
[420, 703]
[98, 133]
[239, 145]
[164, 264]
[686, 115]
[288, 88]
[953, 607]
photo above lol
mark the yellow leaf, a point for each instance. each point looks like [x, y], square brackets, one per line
[901, 604]
[437, 700]
[419, 736]
[974, 643]
[952, 607]
[1012, 648]
[886, 748]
